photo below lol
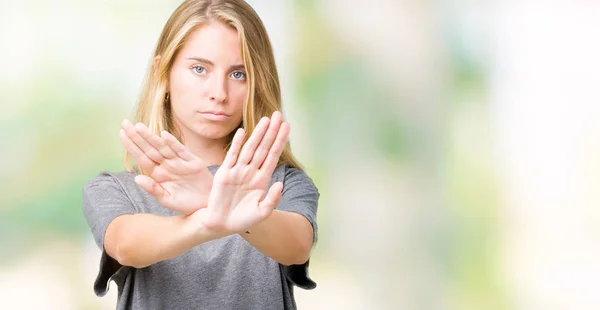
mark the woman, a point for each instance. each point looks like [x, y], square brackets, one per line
[226, 219]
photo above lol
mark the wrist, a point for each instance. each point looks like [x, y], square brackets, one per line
[198, 229]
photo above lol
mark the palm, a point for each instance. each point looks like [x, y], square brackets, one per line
[246, 186]
[236, 199]
[239, 197]
[186, 185]
[177, 178]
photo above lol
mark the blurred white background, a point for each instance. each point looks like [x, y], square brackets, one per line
[456, 146]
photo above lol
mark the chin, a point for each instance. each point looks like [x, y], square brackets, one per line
[212, 132]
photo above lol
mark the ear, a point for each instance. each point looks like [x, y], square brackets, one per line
[155, 63]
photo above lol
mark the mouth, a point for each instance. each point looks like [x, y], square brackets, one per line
[215, 115]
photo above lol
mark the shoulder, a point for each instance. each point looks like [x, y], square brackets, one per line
[294, 178]
[292, 173]
[110, 181]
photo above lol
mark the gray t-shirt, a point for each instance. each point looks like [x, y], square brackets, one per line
[227, 273]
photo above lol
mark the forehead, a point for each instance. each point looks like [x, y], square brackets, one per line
[214, 41]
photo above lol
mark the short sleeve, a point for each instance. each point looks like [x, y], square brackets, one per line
[103, 201]
[300, 195]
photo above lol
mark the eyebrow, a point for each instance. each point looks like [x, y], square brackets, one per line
[206, 61]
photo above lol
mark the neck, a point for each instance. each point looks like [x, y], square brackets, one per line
[210, 151]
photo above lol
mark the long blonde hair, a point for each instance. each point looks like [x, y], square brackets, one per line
[264, 95]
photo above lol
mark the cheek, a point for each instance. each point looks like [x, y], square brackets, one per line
[182, 82]
[238, 96]
[183, 89]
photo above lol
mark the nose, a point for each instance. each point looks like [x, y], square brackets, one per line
[217, 88]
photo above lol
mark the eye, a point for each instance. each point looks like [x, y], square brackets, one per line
[238, 75]
[199, 69]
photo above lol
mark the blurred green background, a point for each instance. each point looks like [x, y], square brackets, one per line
[456, 146]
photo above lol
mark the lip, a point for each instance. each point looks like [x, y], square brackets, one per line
[215, 115]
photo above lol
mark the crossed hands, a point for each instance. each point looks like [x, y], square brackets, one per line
[231, 202]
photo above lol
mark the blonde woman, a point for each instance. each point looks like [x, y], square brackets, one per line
[216, 213]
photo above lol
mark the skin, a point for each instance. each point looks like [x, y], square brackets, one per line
[207, 76]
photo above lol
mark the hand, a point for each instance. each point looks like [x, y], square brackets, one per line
[237, 200]
[176, 177]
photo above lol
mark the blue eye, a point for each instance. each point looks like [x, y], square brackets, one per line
[199, 69]
[238, 75]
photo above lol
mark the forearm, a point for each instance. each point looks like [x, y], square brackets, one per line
[286, 237]
[140, 240]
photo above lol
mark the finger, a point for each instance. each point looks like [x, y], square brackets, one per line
[142, 144]
[276, 149]
[234, 149]
[272, 199]
[267, 141]
[150, 186]
[139, 156]
[177, 147]
[252, 143]
[155, 141]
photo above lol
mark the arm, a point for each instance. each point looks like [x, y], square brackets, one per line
[286, 237]
[140, 240]
[234, 204]
[288, 234]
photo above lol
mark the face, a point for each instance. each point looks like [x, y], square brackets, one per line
[207, 83]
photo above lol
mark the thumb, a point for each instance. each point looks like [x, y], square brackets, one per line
[272, 198]
[149, 185]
